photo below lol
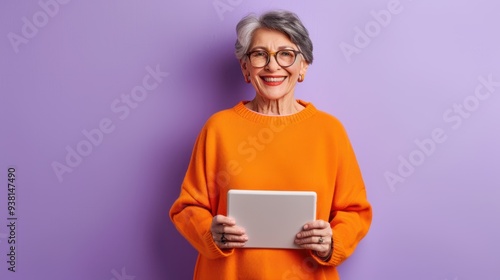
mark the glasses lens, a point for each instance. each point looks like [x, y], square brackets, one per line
[285, 58]
[258, 58]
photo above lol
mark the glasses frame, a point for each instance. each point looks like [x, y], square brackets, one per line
[275, 54]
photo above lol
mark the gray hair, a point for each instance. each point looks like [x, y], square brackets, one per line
[282, 21]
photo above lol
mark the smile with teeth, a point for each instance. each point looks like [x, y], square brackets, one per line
[274, 79]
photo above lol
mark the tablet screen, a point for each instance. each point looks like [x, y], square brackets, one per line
[271, 219]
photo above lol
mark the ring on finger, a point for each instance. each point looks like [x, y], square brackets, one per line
[223, 239]
[320, 240]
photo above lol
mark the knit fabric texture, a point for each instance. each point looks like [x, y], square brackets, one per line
[240, 149]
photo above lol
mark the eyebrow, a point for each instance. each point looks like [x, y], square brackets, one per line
[279, 48]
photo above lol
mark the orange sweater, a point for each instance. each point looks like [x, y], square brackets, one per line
[241, 149]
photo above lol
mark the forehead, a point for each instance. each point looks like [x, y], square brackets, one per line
[270, 39]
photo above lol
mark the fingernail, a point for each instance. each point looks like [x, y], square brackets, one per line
[306, 226]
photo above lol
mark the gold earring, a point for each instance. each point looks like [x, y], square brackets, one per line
[247, 79]
[301, 78]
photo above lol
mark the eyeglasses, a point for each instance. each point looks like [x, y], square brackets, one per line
[284, 58]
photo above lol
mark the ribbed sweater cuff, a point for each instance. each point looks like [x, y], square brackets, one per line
[338, 255]
[213, 251]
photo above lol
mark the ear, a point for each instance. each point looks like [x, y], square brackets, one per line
[244, 70]
[303, 69]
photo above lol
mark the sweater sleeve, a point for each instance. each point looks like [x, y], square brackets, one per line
[351, 213]
[194, 209]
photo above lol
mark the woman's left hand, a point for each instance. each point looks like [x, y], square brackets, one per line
[316, 236]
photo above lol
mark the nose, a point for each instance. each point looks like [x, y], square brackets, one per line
[273, 63]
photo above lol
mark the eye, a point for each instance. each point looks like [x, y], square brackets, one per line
[259, 54]
[287, 54]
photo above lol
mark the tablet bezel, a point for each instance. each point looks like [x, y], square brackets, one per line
[271, 218]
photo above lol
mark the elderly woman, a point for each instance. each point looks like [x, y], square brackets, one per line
[273, 142]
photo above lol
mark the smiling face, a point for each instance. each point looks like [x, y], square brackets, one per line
[273, 82]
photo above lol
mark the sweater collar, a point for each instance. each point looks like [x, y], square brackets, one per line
[308, 111]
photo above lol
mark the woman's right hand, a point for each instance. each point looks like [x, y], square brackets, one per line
[226, 233]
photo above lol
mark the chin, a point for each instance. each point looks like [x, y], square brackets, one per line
[274, 95]
[271, 96]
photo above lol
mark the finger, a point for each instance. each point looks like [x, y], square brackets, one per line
[307, 233]
[230, 241]
[230, 238]
[221, 219]
[230, 230]
[318, 224]
[315, 228]
[320, 240]
[218, 223]
[313, 243]
[325, 233]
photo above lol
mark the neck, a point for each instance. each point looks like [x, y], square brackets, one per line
[283, 106]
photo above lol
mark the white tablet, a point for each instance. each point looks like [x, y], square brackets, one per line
[271, 219]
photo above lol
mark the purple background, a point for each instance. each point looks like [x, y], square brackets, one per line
[108, 218]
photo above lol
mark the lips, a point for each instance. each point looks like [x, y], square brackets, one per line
[273, 81]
